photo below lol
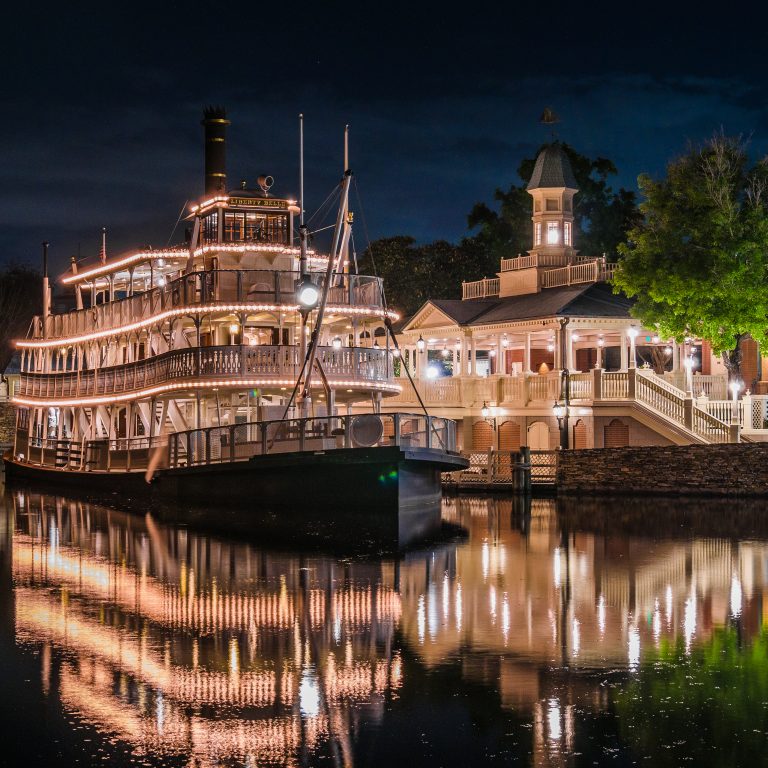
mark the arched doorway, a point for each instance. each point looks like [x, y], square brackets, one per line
[579, 434]
[482, 436]
[509, 436]
[538, 436]
[616, 434]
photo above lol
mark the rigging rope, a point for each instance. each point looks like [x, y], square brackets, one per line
[388, 320]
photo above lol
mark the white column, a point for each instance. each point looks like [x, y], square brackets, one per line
[599, 356]
[461, 369]
[472, 360]
[500, 354]
[527, 354]
[623, 343]
[675, 356]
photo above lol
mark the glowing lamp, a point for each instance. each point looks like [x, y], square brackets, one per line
[395, 352]
[632, 333]
[601, 342]
[234, 328]
[432, 372]
[376, 344]
[492, 353]
[559, 410]
[421, 344]
[667, 351]
[550, 347]
[505, 341]
[161, 281]
[336, 343]
[575, 336]
[445, 352]
[485, 411]
[307, 293]
[655, 339]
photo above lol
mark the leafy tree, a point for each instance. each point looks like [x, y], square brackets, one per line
[20, 295]
[602, 216]
[415, 273]
[698, 261]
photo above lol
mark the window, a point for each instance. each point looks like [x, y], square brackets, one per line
[234, 226]
[567, 233]
[211, 228]
[552, 204]
[553, 233]
[537, 233]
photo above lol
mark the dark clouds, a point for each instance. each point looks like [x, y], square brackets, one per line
[102, 104]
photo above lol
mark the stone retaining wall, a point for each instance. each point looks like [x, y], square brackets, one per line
[7, 423]
[716, 470]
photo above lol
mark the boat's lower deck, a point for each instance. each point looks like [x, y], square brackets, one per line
[386, 492]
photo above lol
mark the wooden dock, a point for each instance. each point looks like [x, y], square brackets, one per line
[520, 471]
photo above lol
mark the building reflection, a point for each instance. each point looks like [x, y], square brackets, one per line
[217, 651]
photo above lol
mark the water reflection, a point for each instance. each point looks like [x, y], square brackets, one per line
[532, 639]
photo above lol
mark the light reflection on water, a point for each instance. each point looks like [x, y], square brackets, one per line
[162, 645]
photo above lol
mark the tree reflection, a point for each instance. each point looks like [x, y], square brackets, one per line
[705, 707]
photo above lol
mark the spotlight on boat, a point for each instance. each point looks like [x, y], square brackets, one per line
[307, 293]
[336, 343]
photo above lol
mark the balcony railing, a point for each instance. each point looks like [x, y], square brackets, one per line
[480, 288]
[222, 286]
[574, 274]
[280, 363]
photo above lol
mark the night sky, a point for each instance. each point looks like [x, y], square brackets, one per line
[101, 105]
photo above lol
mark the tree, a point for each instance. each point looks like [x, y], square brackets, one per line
[698, 261]
[414, 273]
[602, 216]
[20, 296]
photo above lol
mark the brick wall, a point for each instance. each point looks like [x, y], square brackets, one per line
[718, 470]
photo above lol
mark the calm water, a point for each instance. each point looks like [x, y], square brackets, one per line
[603, 633]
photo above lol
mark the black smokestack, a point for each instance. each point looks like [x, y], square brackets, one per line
[215, 122]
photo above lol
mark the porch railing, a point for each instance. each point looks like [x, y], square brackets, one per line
[480, 289]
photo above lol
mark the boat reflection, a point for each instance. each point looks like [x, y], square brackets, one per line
[182, 644]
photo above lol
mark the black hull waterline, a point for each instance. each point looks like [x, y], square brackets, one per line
[389, 495]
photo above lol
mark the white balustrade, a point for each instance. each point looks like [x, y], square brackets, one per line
[615, 385]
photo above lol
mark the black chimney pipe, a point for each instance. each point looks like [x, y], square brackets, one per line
[215, 122]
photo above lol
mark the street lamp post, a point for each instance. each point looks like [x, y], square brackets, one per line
[562, 410]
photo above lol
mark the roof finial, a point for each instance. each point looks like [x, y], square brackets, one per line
[548, 117]
[103, 251]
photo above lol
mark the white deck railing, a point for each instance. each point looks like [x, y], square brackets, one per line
[200, 363]
[574, 274]
[479, 289]
[260, 286]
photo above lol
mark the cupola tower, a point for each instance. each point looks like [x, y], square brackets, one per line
[552, 187]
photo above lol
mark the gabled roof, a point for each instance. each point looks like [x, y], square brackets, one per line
[552, 169]
[455, 310]
[589, 300]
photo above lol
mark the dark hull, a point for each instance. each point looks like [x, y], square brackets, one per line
[387, 495]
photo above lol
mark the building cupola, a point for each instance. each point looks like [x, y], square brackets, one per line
[552, 187]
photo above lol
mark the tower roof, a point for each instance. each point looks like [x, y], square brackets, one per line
[552, 169]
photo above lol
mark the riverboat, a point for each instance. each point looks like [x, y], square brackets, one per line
[240, 369]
